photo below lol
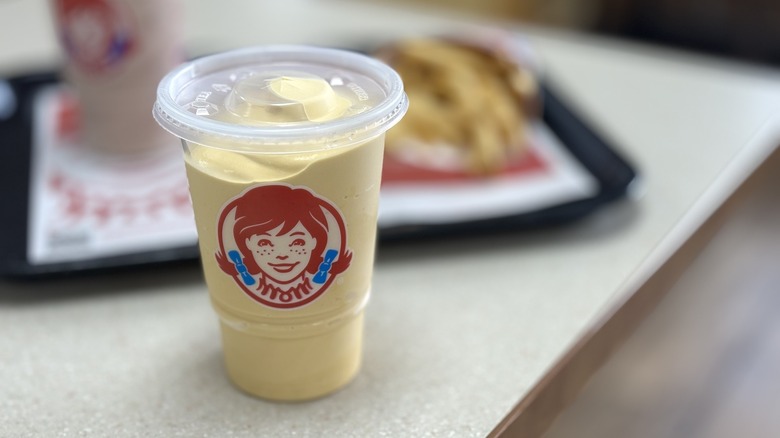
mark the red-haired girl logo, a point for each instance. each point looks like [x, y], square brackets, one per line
[96, 34]
[282, 245]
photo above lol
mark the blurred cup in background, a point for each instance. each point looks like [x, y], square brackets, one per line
[116, 53]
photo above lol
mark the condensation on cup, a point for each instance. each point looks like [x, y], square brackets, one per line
[116, 53]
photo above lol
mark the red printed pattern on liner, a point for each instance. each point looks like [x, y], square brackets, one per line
[397, 170]
[77, 203]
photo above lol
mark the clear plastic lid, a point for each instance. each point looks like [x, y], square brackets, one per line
[280, 99]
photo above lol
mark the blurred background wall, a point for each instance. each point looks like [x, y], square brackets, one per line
[748, 29]
[743, 29]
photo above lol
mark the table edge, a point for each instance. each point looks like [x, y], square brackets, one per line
[561, 384]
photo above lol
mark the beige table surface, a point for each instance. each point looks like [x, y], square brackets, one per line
[457, 332]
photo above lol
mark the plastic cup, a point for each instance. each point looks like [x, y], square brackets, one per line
[283, 147]
[115, 53]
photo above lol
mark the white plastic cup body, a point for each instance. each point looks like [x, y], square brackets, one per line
[116, 52]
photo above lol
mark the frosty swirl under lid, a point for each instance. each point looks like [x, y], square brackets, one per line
[283, 147]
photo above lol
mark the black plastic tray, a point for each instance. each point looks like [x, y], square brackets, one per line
[613, 173]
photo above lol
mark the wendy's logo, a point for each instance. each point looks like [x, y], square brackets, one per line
[282, 245]
[97, 34]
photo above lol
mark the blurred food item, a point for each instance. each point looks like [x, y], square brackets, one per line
[466, 97]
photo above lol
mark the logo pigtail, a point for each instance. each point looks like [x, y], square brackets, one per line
[322, 274]
[238, 262]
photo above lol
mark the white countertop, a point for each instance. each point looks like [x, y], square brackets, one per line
[456, 332]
